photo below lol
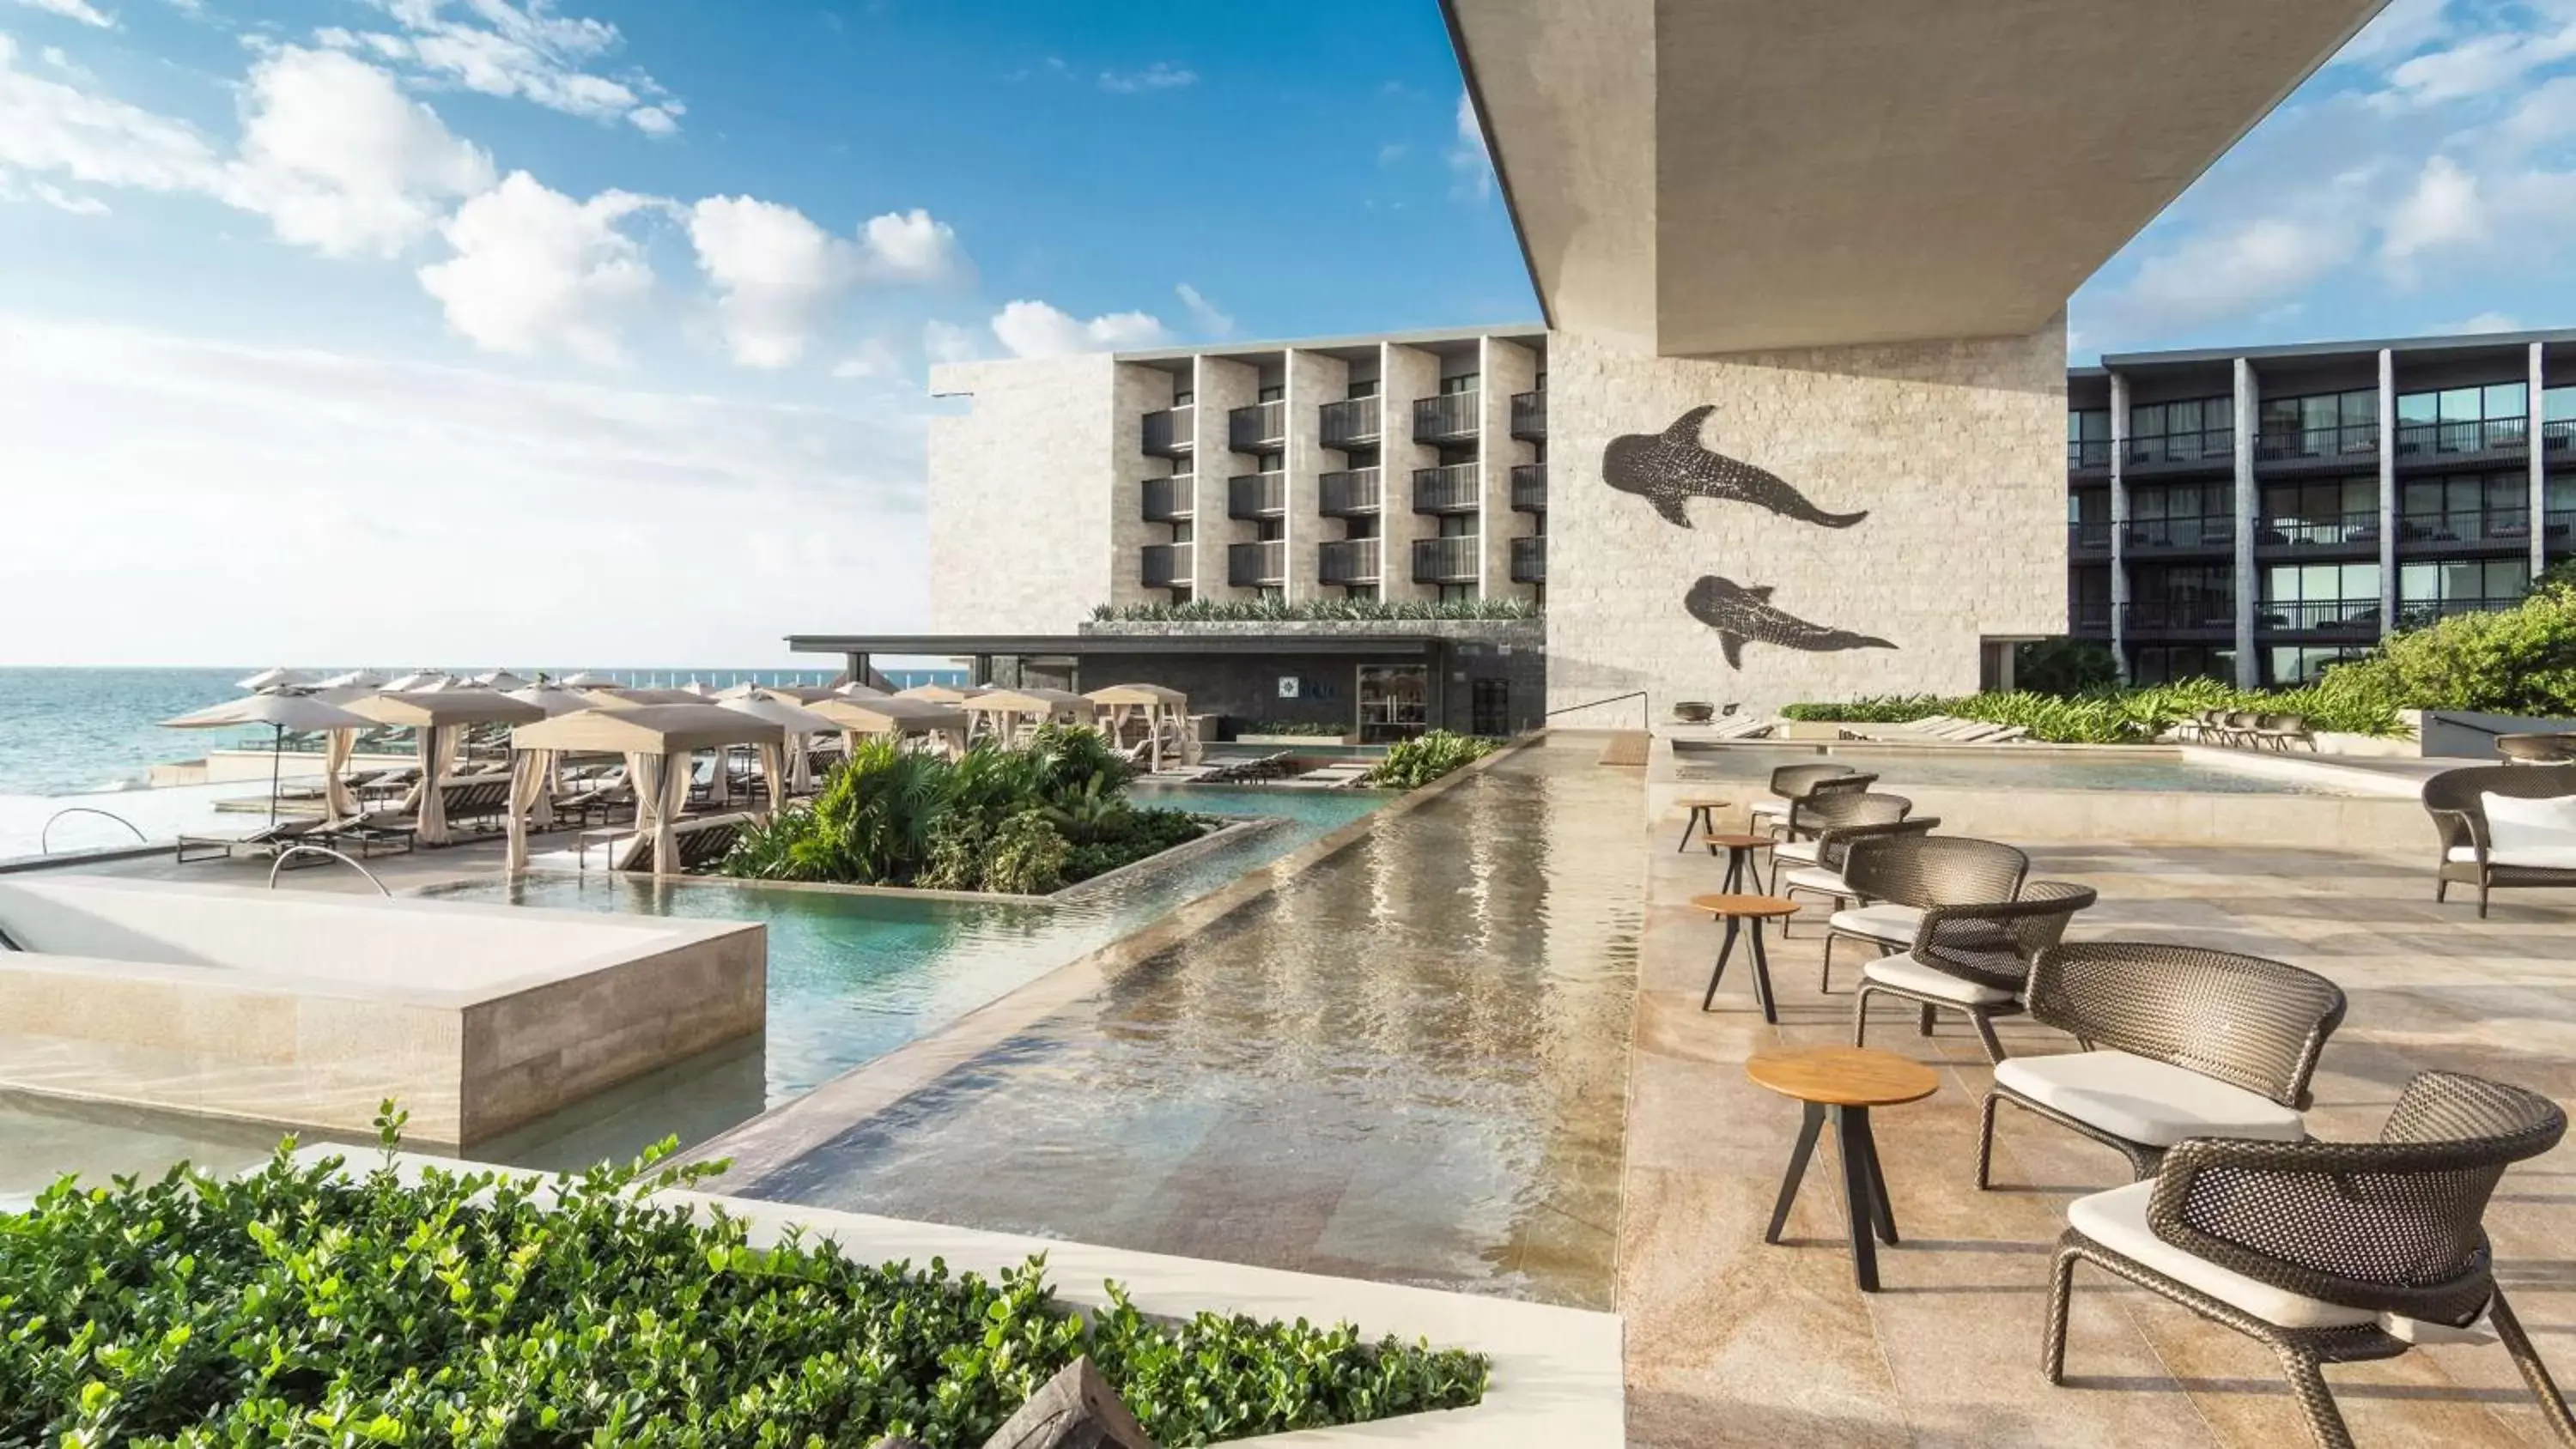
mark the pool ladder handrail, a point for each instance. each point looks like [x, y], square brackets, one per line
[280, 864]
[45, 837]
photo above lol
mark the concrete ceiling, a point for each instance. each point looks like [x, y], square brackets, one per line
[1708, 176]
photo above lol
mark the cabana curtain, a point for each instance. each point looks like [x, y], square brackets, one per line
[529, 771]
[337, 749]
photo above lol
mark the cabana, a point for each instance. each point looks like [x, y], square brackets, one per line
[1004, 712]
[619, 697]
[657, 741]
[782, 710]
[437, 719]
[1164, 713]
[939, 693]
[902, 718]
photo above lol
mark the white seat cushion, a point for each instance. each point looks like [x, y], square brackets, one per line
[1801, 852]
[1816, 878]
[2517, 825]
[2118, 1221]
[2530, 857]
[2462, 855]
[1907, 974]
[1885, 921]
[2147, 1101]
[1770, 807]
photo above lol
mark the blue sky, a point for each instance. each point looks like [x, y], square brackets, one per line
[535, 308]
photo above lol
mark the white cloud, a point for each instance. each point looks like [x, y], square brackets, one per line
[518, 50]
[2232, 272]
[948, 342]
[2478, 66]
[2443, 210]
[61, 200]
[530, 502]
[1034, 329]
[80, 10]
[1471, 169]
[535, 270]
[1160, 76]
[2483, 322]
[48, 126]
[774, 272]
[1211, 321]
[340, 160]
[875, 358]
[2402, 29]
[911, 246]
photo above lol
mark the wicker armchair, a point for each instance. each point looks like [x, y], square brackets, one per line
[1811, 817]
[1832, 846]
[1789, 783]
[2329, 1252]
[1904, 878]
[2460, 818]
[2178, 1042]
[1775, 817]
[1973, 959]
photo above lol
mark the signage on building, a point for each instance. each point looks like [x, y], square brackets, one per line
[1287, 686]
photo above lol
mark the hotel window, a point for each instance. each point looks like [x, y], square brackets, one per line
[2286, 665]
[1272, 393]
[2465, 508]
[2321, 424]
[2463, 585]
[2326, 511]
[1463, 382]
[1366, 387]
[1182, 397]
[2164, 663]
[1268, 462]
[2181, 432]
[2320, 596]
[2088, 438]
[2560, 504]
[2463, 419]
[2182, 515]
[2558, 417]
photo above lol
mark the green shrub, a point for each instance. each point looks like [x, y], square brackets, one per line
[2064, 666]
[1028, 856]
[1282, 611]
[1426, 757]
[1293, 727]
[958, 843]
[2518, 661]
[298, 1305]
[2122, 716]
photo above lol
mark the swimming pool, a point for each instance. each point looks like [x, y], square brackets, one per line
[854, 976]
[2018, 768]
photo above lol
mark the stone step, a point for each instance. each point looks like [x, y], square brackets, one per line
[1627, 748]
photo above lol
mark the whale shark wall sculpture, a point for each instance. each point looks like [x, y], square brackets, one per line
[1741, 613]
[1671, 467]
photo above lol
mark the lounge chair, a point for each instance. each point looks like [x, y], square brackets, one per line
[1742, 727]
[1811, 861]
[1973, 959]
[1789, 785]
[1833, 846]
[701, 842]
[2280, 731]
[376, 832]
[2532, 842]
[270, 839]
[1899, 879]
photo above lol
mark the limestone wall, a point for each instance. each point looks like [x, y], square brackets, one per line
[1950, 447]
[1036, 446]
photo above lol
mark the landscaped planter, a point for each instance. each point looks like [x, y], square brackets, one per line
[1290, 742]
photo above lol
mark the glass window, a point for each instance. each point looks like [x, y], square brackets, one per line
[2418, 407]
[2508, 494]
[2317, 414]
[1365, 388]
[2360, 407]
[2558, 404]
[1183, 397]
[2561, 495]
[2462, 404]
[1463, 382]
[2508, 399]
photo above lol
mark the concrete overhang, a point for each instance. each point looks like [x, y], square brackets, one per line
[1713, 176]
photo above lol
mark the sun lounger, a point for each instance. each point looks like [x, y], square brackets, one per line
[377, 832]
[1741, 727]
[702, 843]
[271, 839]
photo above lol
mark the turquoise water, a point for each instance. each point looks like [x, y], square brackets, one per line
[2015, 769]
[852, 977]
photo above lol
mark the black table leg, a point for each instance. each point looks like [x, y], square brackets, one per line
[1856, 1124]
[1734, 869]
[1860, 1210]
[1762, 976]
[1725, 949]
[1691, 827]
[1806, 1148]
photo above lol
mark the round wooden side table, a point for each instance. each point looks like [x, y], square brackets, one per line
[1739, 856]
[1703, 817]
[1744, 915]
[1839, 1084]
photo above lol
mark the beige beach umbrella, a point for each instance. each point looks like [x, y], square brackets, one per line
[417, 680]
[269, 678]
[281, 710]
[941, 693]
[552, 701]
[352, 679]
[500, 679]
[585, 679]
[435, 716]
[698, 690]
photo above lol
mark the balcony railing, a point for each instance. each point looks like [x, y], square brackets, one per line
[1451, 417]
[2557, 526]
[2180, 535]
[2320, 616]
[2207, 448]
[1256, 565]
[1256, 495]
[1350, 423]
[2423, 442]
[1167, 566]
[2089, 616]
[2340, 530]
[1529, 487]
[1257, 428]
[1456, 488]
[1168, 500]
[1167, 433]
[1529, 415]
[1446, 560]
[2093, 536]
[2344, 444]
[2423, 531]
[2416, 613]
[1529, 560]
[1347, 561]
[2558, 434]
[2091, 455]
[1347, 494]
[2181, 616]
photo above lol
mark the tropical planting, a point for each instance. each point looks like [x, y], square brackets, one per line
[1324, 611]
[307, 1304]
[1426, 757]
[1022, 821]
[2120, 716]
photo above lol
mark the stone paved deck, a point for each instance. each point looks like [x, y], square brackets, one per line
[1732, 1342]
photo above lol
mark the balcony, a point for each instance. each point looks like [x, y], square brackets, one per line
[1347, 561]
[1260, 428]
[2416, 613]
[1167, 566]
[1167, 433]
[1257, 565]
[1168, 500]
[2340, 532]
[1350, 494]
[2197, 617]
[2093, 455]
[2558, 435]
[1454, 489]
[2344, 448]
[2558, 529]
[1256, 495]
[1447, 560]
[1529, 559]
[2089, 539]
[2344, 618]
[1350, 423]
[2442, 445]
[1529, 488]
[1529, 416]
[2211, 450]
[2152, 537]
[2089, 618]
[1452, 417]
[2432, 535]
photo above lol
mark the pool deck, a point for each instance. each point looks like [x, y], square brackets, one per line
[1733, 1342]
